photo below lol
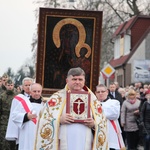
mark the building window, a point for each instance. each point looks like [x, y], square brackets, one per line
[127, 44]
[117, 48]
[121, 46]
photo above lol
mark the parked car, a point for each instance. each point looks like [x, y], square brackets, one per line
[140, 72]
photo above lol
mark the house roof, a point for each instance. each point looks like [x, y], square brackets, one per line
[127, 25]
[118, 62]
[124, 59]
[122, 29]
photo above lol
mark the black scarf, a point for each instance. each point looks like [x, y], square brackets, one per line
[105, 99]
[32, 100]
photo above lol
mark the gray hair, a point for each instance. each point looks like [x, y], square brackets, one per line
[27, 79]
[76, 72]
[101, 85]
[121, 90]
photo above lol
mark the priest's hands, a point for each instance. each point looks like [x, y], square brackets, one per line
[66, 119]
[89, 122]
[30, 115]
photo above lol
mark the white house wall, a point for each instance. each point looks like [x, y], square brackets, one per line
[138, 55]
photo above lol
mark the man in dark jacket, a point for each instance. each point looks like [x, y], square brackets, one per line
[114, 94]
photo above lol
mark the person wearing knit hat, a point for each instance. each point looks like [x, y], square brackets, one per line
[9, 81]
[5, 77]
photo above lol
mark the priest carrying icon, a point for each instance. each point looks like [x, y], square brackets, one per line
[64, 125]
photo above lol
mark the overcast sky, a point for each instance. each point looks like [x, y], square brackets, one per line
[17, 26]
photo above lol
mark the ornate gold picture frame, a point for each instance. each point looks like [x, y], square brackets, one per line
[67, 39]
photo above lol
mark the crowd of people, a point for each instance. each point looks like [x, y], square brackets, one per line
[19, 108]
[118, 117]
[134, 116]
